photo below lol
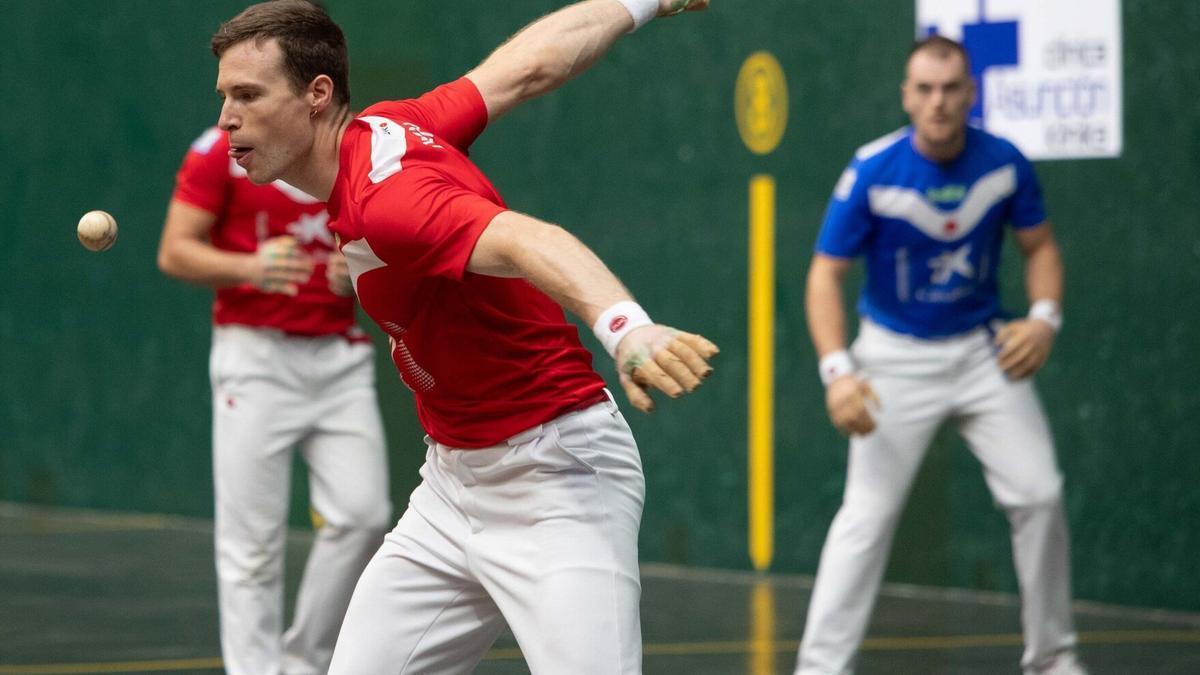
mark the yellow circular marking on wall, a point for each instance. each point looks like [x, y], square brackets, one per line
[761, 103]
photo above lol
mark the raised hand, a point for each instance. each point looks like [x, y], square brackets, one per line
[662, 358]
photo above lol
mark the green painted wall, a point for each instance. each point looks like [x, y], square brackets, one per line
[103, 385]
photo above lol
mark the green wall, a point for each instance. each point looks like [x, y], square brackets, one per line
[103, 387]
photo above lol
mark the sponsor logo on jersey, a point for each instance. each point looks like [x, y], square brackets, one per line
[387, 149]
[949, 263]
[947, 194]
[311, 228]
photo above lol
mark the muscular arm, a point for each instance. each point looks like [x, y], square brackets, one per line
[550, 258]
[550, 51]
[823, 303]
[1043, 264]
[186, 253]
[559, 265]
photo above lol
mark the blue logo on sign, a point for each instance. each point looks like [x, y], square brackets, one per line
[989, 43]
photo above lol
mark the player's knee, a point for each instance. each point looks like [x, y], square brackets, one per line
[249, 562]
[361, 513]
[1045, 491]
[868, 522]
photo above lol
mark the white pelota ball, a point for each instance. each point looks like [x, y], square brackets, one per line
[97, 230]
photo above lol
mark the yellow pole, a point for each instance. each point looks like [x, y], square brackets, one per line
[763, 648]
[761, 468]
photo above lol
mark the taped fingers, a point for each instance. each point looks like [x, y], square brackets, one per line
[700, 344]
[678, 367]
[636, 394]
[680, 6]
[650, 374]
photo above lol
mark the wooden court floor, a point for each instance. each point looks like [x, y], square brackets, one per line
[90, 592]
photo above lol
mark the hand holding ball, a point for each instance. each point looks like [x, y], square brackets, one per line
[97, 230]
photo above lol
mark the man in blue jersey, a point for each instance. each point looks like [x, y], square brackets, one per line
[927, 208]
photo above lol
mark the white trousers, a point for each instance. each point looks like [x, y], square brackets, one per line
[271, 394]
[922, 383]
[539, 531]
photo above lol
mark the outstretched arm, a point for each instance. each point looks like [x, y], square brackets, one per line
[550, 51]
[558, 264]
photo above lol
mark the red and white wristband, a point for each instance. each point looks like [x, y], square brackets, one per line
[642, 11]
[616, 322]
[834, 365]
[1048, 311]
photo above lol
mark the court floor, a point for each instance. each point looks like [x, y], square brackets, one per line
[91, 592]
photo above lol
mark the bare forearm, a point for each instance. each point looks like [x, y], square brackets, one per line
[550, 258]
[823, 308]
[185, 251]
[1044, 273]
[549, 52]
[569, 272]
[199, 262]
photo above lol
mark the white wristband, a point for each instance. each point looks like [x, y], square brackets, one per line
[1048, 311]
[616, 321]
[641, 11]
[834, 365]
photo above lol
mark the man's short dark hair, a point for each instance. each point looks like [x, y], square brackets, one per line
[942, 48]
[312, 44]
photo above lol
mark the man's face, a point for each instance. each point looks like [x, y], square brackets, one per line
[267, 120]
[937, 95]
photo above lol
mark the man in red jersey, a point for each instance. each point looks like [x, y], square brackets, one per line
[289, 369]
[532, 492]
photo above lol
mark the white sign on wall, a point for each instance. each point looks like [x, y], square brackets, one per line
[1049, 71]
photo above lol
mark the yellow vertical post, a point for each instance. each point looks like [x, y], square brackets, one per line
[761, 468]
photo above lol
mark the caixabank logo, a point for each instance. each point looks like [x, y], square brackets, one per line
[1049, 72]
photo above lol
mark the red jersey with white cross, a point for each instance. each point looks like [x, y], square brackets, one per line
[248, 214]
[486, 357]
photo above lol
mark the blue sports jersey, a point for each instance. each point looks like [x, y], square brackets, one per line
[931, 232]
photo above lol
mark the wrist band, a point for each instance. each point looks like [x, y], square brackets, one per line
[834, 365]
[618, 320]
[641, 11]
[1048, 311]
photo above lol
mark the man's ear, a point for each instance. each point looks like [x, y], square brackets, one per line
[320, 94]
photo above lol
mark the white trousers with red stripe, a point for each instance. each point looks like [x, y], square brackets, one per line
[273, 394]
[921, 384]
[540, 531]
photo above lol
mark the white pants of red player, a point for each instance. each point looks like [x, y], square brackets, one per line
[539, 531]
[921, 384]
[273, 393]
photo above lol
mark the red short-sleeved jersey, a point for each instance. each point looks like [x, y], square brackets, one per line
[248, 214]
[486, 357]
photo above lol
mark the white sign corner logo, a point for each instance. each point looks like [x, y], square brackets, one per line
[1049, 72]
